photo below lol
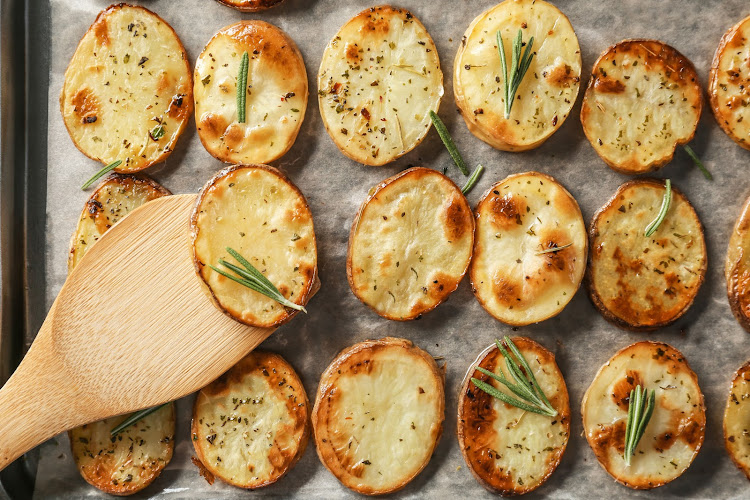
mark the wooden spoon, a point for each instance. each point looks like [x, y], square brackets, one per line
[131, 328]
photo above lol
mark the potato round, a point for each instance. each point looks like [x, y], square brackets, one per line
[251, 426]
[508, 450]
[736, 418]
[729, 83]
[674, 434]
[638, 282]
[737, 268]
[250, 5]
[130, 461]
[378, 414]
[410, 244]
[257, 211]
[642, 101]
[515, 273]
[379, 79]
[128, 91]
[276, 94]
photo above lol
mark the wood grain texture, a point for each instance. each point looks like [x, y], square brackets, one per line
[131, 328]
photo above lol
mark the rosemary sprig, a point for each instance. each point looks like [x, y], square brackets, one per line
[518, 67]
[242, 87]
[698, 162]
[448, 141]
[554, 249]
[525, 387]
[471, 181]
[135, 417]
[638, 417]
[665, 203]
[253, 279]
[100, 173]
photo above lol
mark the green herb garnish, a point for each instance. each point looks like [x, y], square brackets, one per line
[665, 203]
[135, 417]
[100, 173]
[698, 162]
[448, 141]
[554, 249]
[638, 417]
[526, 386]
[242, 87]
[157, 132]
[253, 279]
[519, 67]
[471, 181]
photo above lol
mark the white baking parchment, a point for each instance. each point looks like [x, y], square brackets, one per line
[459, 329]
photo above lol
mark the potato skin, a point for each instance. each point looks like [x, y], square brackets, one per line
[737, 270]
[742, 374]
[250, 5]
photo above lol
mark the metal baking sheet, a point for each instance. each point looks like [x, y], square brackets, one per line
[459, 329]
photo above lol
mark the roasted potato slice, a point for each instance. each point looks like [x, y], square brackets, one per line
[257, 211]
[638, 282]
[130, 461]
[674, 434]
[379, 79]
[276, 93]
[737, 268]
[729, 83]
[250, 5]
[516, 273]
[251, 425]
[546, 94]
[736, 418]
[642, 101]
[128, 91]
[379, 414]
[508, 450]
[410, 244]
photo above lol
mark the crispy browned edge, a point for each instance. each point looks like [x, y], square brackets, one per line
[478, 475]
[548, 178]
[355, 225]
[116, 178]
[702, 406]
[295, 380]
[320, 101]
[326, 383]
[742, 224]
[594, 295]
[254, 5]
[479, 131]
[744, 468]
[658, 163]
[271, 34]
[122, 489]
[188, 97]
[713, 77]
[303, 297]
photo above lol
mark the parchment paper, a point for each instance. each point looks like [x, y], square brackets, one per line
[459, 329]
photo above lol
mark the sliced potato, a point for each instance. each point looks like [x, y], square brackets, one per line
[736, 418]
[257, 211]
[379, 79]
[410, 244]
[737, 268]
[276, 93]
[130, 461]
[250, 5]
[642, 101]
[674, 434]
[546, 94]
[250, 426]
[729, 83]
[128, 91]
[508, 450]
[516, 273]
[378, 414]
[639, 282]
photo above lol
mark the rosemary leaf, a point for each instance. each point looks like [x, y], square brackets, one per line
[242, 87]
[665, 203]
[519, 65]
[554, 249]
[698, 162]
[448, 141]
[104, 171]
[471, 181]
[484, 386]
[135, 417]
[640, 408]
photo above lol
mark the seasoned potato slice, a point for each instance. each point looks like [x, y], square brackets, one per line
[257, 211]
[547, 92]
[379, 79]
[379, 414]
[130, 461]
[276, 93]
[639, 282]
[643, 100]
[729, 83]
[516, 273]
[737, 268]
[128, 91]
[410, 244]
[511, 451]
[250, 5]
[250, 426]
[674, 434]
[736, 418]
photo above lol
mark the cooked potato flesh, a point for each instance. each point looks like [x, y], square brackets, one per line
[736, 418]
